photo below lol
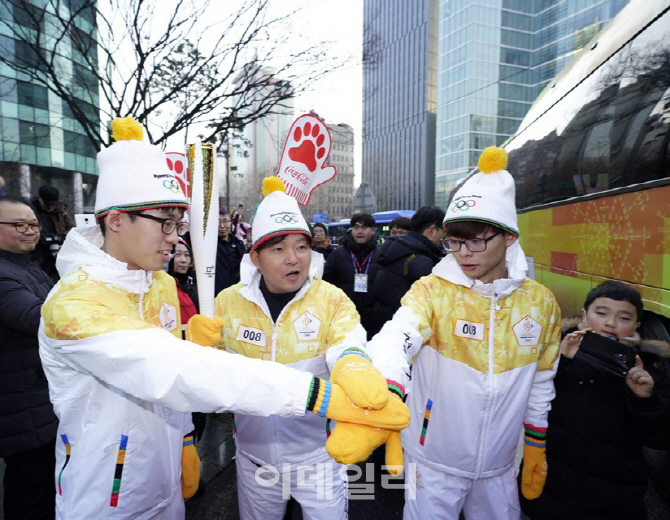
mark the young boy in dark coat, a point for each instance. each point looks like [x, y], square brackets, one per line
[612, 398]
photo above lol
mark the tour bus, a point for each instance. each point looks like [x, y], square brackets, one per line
[336, 230]
[591, 162]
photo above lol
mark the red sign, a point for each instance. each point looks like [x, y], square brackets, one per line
[178, 165]
[305, 153]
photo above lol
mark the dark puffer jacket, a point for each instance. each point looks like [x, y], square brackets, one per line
[27, 420]
[228, 259]
[54, 227]
[402, 261]
[339, 271]
[596, 432]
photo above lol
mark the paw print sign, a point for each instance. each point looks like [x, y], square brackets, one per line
[178, 165]
[302, 162]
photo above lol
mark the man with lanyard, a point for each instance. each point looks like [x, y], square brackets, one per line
[353, 266]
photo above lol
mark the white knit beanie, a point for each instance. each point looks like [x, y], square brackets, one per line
[488, 196]
[134, 175]
[277, 214]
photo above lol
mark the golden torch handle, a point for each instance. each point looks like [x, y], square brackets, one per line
[204, 221]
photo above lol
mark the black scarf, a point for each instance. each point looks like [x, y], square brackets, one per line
[276, 302]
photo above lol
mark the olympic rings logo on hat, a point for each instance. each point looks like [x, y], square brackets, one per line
[172, 185]
[288, 219]
[462, 205]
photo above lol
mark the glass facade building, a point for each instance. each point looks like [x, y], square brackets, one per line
[41, 142]
[495, 58]
[399, 101]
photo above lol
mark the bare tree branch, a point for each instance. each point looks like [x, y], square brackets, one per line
[176, 64]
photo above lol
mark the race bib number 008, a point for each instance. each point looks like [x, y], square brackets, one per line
[469, 329]
[249, 335]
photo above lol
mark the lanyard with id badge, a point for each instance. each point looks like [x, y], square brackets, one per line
[360, 278]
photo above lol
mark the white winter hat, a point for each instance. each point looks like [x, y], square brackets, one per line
[488, 196]
[277, 214]
[133, 174]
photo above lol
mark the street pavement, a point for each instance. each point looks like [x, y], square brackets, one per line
[217, 499]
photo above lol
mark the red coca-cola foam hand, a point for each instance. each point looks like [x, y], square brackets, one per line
[305, 152]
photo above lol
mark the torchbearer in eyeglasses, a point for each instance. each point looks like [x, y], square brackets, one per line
[121, 380]
[482, 340]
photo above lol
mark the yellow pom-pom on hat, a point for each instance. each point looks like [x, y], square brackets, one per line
[493, 159]
[486, 196]
[127, 129]
[272, 184]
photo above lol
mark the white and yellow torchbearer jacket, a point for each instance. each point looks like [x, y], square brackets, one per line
[483, 358]
[310, 334]
[122, 384]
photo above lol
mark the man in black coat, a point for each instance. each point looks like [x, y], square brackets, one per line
[353, 266]
[27, 421]
[404, 259]
[229, 253]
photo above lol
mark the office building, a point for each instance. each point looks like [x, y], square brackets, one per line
[40, 140]
[332, 201]
[254, 151]
[399, 101]
[495, 58]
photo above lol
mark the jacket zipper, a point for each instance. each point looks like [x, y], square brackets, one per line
[490, 388]
[145, 281]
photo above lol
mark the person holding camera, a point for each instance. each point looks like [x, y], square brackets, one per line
[612, 398]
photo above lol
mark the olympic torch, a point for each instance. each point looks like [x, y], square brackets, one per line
[204, 220]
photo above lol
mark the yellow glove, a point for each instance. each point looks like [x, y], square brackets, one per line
[362, 382]
[326, 398]
[352, 443]
[203, 330]
[534, 472]
[190, 468]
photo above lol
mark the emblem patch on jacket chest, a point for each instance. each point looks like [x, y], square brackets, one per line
[307, 326]
[168, 317]
[527, 333]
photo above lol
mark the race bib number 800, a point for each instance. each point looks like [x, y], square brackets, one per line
[469, 329]
[249, 335]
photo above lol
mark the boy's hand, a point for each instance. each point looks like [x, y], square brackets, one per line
[638, 379]
[571, 342]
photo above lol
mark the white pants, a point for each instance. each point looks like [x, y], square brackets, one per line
[320, 489]
[175, 510]
[440, 496]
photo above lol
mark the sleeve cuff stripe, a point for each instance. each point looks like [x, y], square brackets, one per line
[354, 351]
[396, 388]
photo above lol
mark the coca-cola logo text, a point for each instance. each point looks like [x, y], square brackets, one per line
[300, 177]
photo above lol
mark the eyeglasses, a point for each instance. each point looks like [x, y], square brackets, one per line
[22, 227]
[476, 245]
[168, 224]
